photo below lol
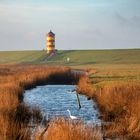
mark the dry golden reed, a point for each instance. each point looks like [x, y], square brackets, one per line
[64, 129]
[119, 105]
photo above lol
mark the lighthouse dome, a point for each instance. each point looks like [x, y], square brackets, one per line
[51, 33]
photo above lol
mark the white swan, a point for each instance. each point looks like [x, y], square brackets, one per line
[72, 117]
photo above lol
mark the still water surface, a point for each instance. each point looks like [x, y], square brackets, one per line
[54, 100]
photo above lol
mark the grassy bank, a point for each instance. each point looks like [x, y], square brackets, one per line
[94, 57]
[16, 57]
[78, 58]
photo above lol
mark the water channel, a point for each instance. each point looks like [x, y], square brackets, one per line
[55, 100]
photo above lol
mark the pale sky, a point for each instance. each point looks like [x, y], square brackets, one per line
[78, 24]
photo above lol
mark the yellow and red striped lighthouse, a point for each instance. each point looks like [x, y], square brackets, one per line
[50, 42]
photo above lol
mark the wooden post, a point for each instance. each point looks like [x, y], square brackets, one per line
[78, 99]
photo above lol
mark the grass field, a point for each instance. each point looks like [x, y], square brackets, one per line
[14, 57]
[77, 57]
[92, 57]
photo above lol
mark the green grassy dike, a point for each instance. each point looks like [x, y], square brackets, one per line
[77, 57]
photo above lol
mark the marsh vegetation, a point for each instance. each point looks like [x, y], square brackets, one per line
[115, 89]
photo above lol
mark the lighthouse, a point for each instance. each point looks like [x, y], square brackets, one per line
[50, 42]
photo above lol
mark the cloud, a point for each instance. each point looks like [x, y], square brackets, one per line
[133, 21]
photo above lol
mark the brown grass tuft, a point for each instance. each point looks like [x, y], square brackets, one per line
[63, 129]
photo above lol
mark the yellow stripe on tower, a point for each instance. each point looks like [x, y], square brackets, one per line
[50, 38]
[50, 48]
[50, 43]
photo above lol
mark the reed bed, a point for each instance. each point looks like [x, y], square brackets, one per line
[119, 105]
[18, 120]
[117, 100]
[64, 129]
